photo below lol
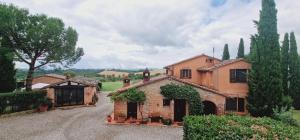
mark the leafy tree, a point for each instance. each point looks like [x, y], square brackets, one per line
[7, 71]
[285, 63]
[294, 72]
[226, 55]
[265, 77]
[38, 40]
[69, 74]
[241, 50]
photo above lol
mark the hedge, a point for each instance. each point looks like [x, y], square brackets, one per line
[20, 101]
[237, 128]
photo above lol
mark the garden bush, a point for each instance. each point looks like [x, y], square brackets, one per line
[285, 116]
[20, 101]
[237, 128]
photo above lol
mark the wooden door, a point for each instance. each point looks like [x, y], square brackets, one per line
[132, 110]
[179, 109]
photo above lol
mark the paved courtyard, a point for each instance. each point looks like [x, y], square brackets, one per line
[85, 123]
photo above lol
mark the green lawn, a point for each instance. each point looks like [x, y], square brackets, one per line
[111, 86]
[296, 115]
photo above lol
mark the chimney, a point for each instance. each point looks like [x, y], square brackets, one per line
[146, 75]
[126, 81]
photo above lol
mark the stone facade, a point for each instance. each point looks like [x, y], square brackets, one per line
[154, 101]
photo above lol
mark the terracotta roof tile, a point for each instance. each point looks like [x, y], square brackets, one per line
[191, 59]
[223, 63]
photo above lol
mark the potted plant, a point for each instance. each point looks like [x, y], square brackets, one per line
[121, 117]
[144, 120]
[43, 104]
[108, 118]
[167, 121]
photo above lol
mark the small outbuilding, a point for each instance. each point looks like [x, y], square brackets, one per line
[73, 91]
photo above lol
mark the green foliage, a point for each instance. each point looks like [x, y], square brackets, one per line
[226, 55]
[44, 101]
[285, 63]
[37, 40]
[172, 91]
[69, 73]
[237, 128]
[7, 70]
[284, 115]
[265, 78]
[294, 72]
[19, 101]
[132, 95]
[167, 121]
[241, 50]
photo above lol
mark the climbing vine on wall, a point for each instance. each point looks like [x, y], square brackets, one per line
[173, 91]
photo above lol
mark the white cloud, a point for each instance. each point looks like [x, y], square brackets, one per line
[155, 33]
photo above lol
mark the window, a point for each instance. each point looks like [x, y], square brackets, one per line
[241, 103]
[186, 73]
[235, 104]
[166, 102]
[238, 75]
[209, 60]
[231, 104]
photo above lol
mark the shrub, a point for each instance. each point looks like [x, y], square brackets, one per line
[237, 128]
[167, 121]
[284, 115]
[20, 101]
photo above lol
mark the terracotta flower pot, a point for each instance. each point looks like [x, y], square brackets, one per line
[109, 118]
[43, 108]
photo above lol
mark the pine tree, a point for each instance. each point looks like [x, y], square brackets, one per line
[7, 71]
[285, 63]
[226, 55]
[266, 80]
[241, 49]
[294, 72]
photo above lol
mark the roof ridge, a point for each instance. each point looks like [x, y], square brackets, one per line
[194, 57]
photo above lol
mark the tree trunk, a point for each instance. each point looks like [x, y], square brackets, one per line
[29, 78]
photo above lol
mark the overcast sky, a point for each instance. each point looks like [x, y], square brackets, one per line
[154, 33]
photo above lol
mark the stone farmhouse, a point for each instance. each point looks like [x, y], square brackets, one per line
[222, 86]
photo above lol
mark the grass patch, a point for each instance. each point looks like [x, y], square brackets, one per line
[296, 115]
[111, 86]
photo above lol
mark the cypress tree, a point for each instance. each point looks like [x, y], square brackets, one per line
[7, 71]
[226, 55]
[255, 99]
[241, 53]
[267, 80]
[285, 63]
[294, 72]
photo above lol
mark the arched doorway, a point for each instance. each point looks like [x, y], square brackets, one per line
[209, 108]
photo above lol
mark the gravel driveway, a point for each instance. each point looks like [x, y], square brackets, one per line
[80, 124]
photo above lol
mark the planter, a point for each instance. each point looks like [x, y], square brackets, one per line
[132, 120]
[108, 118]
[121, 119]
[43, 108]
[144, 121]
